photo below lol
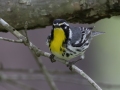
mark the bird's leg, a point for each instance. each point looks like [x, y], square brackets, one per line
[52, 58]
[69, 64]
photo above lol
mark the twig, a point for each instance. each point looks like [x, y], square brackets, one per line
[29, 44]
[79, 71]
[11, 40]
[38, 52]
[20, 36]
[26, 26]
[41, 66]
[57, 78]
[34, 71]
[45, 71]
[20, 76]
[19, 84]
[4, 77]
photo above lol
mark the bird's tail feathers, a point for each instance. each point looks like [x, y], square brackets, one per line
[96, 33]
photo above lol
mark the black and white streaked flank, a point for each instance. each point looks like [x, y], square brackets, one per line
[77, 39]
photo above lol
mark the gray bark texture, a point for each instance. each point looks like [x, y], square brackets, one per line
[41, 13]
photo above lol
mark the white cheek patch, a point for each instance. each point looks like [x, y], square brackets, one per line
[66, 23]
[70, 33]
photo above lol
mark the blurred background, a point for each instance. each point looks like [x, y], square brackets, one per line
[102, 59]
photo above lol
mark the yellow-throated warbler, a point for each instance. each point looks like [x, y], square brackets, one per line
[67, 42]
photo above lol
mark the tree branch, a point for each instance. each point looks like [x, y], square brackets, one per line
[45, 71]
[57, 78]
[6, 78]
[34, 71]
[39, 62]
[11, 40]
[38, 52]
[40, 14]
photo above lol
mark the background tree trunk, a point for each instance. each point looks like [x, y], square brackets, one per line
[41, 13]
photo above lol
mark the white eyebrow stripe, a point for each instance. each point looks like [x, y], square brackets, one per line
[66, 23]
[61, 24]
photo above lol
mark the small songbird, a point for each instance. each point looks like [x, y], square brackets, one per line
[67, 42]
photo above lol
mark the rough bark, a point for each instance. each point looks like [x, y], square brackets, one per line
[41, 13]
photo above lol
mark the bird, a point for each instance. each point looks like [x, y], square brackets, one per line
[67, 42]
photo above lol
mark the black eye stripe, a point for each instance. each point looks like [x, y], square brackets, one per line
[60, 22]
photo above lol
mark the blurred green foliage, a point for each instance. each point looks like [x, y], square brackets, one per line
[107, 47]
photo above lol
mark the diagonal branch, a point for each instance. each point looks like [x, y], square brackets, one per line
[41, 66]
[11, 40]
[38, 52]
[45, 71]
[32, 48]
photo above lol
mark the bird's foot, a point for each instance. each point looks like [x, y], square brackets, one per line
[69, 64]
[52, 58]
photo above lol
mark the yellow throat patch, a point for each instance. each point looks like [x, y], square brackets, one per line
[59, 38]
